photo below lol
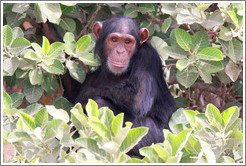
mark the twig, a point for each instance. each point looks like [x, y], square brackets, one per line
[89, 22]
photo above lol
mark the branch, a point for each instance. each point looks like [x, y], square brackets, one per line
[89, 22]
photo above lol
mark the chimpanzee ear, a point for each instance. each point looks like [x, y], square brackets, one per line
[97, 28]
[144, 35]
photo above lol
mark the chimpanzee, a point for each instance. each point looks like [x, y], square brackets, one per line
[130, 78]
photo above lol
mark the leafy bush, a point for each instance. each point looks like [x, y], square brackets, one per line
[200, 45]
[44, 134]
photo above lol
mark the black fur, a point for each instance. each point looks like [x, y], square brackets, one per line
[141, 93]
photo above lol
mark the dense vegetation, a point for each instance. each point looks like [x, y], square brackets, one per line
[201, 46]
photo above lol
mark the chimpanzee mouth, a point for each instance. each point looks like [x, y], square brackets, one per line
[118, 64]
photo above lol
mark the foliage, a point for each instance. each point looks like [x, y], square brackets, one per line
[200, 45]
[45, 134]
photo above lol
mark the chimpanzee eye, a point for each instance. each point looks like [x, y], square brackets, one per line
[114, 39]
[128, 41]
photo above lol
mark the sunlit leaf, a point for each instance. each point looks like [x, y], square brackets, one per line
[188, 76]
[183, 39]
[7, 35]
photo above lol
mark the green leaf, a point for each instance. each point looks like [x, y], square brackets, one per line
[7, 101]
[209, 154]
[45, 46]
[190, 116]
[10, 65]
[188, 76]
[70, 43]
[189, 16]
[52, 12]
[169, 8]
[183, 39]
[175, 52]
[211, 54]
[92, 145]
[173, 40]
[122, 133]
[134, 160]
[37, 48]
[32, 93]
[202, 120]
[151, 154]
[235, 50]
[132, 138]
[166, 24]
[41, 117]
[28, 121]
[36, 76]
[91, 108]
[76, 71]
[206, 77]
[131, 12]
[57, 113]
[17, 32]
[225, 34]
[201, 39]
[210, 66]
[182, 64]
[203, 7]
[17, 99]
[68, 24]
[146, 7]
[19, 44]
[56, 49]
[7, 35]
[32, 109]
[230, 116]
[162, 152]
[50, 85]
[177, 118]
[100, 128]
[181, 102]
[66, 9]
[63, 103]
[233, 17]
[31, 55]
[110, 147]
[83, 43]
[232, 70]
[107, 117]
[213, 20]
[19, 136]
[79, 120]
[179, 141]
[20, 7]
[56, 67]
[193, 145]
[117, 123]
[159, 44]
[89, 59]
[228, 159]
[213, 115]
[50, 134]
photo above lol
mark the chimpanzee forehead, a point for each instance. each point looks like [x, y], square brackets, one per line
[125, 27]
[122, 25]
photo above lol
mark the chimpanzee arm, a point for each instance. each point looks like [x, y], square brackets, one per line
[134, 96]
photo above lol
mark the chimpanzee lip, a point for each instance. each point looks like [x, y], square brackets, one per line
[118, 64]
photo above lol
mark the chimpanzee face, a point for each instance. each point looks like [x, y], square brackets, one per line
[119, 46]
[119, 50]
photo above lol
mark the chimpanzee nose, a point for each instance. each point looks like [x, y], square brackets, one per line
[120, 51]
